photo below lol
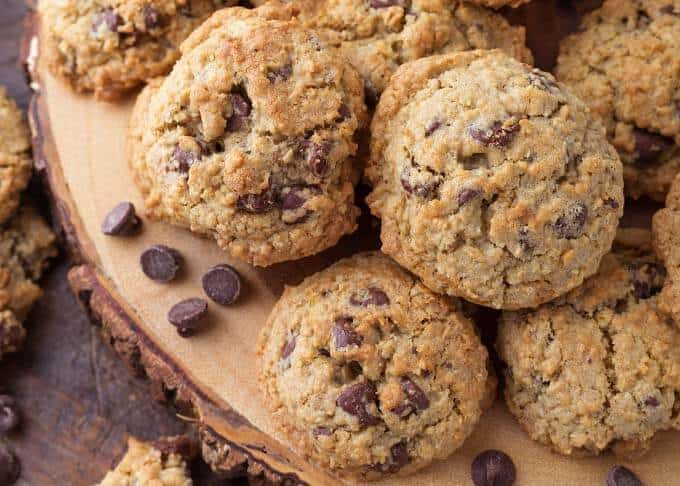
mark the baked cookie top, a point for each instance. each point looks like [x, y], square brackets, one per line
[493, 182]
[150, 464]
[15, 161]
[600, 367]
[369, 372]
[624, 63]
[26, 243]
[666, 239]
[377, 35]
[250, 139]
[112, 46]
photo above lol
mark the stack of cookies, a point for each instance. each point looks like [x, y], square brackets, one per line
[495, 183]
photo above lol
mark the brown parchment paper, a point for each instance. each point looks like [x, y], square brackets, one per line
[90, 139]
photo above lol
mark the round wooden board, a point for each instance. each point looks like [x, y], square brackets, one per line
[79, 147]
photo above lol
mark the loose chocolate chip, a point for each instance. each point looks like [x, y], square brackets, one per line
[160, 263]
[10, 467]
[318, 158]
[370, 296]
[415, 394]
[122, 220]
[222, 284]
[9, 415]
[467, 195]
[184, 159]
[622, 476]
[432, 127]
[355, 400]
[256, 203]
[344, 334]
[152, 18]
[652, 402]
[386, 3]
[493, 468]
[570, 224]
[280, 74]
[289, 347]
[650, 146]
[109, 18]
[321, 431]
[498, 135]
[241, 109]
[187, 315]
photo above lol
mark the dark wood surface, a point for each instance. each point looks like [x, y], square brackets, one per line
[78, 401]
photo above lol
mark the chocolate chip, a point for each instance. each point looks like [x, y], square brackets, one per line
[294, 197]
[10, 467]
[432, 127]
[280, 74]
[498, 135]
[652, 402]
[386, 3]
[525, 240]
[184, 159]
[321, 431]
[152, 18]
[241, 108]
[403, 410]
[289, 347]
[621, 306]
[122, 220]
[109, 18]
[467, 195]
[398, 457]
[9, 414]
[318, 158]
[668, 10]
[187, 315]
[344, 334]
[415, 394]
[426, 190]
[570, 224]
[650, 146]
[369, 296]
[622, 476]
[343, 113]
[612, 203]
[222, 284]
[493, 468]
[256, 203]
[355, 400]
[648, 279]
[160, 263]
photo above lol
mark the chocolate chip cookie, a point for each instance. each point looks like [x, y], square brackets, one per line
[666, 238]
[162, 464]
[250, 139]
[624, 63]
[26, 244]
[379, 35]
[15, 161]
[493, 182]
[600, 367]
[369, 372]
[112, 46]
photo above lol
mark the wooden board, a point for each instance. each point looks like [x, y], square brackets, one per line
[80, 151]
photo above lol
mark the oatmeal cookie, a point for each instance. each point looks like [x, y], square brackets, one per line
[113, 46]
[26, 244]
[15, 161]
[624, 63]
[250, 139]
[666, 238]
[493, 182]
[369, 372]
[600, 367]
[377, 36]
[163, 463]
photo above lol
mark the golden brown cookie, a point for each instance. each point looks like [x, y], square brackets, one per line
[624, 62]
[598, 368]
[493, 182]
[369, 372]
[250, 139]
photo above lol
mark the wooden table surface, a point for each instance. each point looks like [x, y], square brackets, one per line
[78, 401]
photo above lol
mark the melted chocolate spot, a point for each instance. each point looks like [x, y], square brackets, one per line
[344, 333]
[570, 224]
[355, 400]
